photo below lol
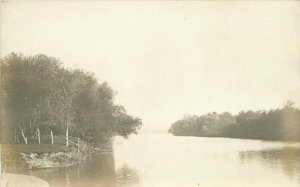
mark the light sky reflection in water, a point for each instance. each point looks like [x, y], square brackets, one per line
[162, 160]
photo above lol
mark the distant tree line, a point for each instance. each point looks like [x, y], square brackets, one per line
[279, 124]
[39, 95]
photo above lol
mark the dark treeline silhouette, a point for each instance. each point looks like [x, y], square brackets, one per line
[40, 96]
[279, 124]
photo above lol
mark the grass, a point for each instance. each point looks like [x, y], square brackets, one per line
[34, 148]
[45, 155]
[34, 156]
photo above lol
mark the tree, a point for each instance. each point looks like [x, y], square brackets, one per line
[279, 124]
[41, 98]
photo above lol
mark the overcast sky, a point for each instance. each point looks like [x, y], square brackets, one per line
[167, 59]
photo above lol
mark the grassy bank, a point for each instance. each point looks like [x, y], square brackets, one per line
[34, 148]
[37, 156]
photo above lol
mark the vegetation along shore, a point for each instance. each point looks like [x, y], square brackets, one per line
[53, 116]
[279, 124]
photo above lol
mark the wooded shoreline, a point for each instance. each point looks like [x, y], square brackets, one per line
[281, 124]
[53, 116]
[42, 99]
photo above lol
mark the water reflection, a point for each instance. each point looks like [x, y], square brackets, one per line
[287, 159]
[96, 171]
[127, 176]
[168, 161]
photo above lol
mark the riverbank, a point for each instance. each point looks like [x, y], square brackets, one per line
[238, 137]
[19, 157]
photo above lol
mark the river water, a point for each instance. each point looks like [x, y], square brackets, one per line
[163, 160]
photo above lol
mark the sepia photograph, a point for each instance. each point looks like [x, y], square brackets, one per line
[150, 93]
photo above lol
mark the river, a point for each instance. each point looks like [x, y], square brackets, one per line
[163, 160]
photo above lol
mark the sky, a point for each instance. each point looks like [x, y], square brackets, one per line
[166, 59]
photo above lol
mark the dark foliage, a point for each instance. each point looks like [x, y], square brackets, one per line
[279, 124]
[37, 92]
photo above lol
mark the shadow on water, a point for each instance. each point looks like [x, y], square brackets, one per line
[286, 159]
[98, 170]
[127, 176]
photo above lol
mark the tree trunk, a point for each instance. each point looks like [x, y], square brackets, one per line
[78, 145]
[25, 138]
[52, 137]
[15, 135]
[18, 140]
[39, 135]
[67, 136]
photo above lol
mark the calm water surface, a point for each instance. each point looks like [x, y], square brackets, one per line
[150, 160]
